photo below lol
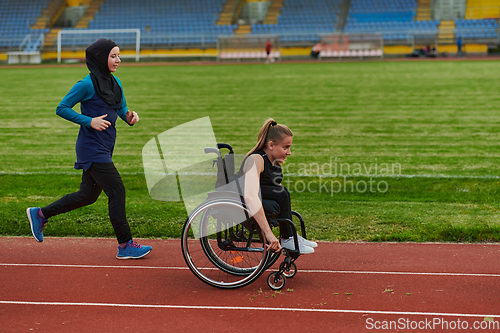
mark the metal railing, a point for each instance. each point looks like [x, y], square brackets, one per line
[29, 44]
[25, 43]
[10, 43]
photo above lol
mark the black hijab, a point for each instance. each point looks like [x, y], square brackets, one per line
[105, 84]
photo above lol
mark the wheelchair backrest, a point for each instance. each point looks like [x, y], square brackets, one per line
[225, 165]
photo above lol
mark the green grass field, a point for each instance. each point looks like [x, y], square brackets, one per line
[426, 133]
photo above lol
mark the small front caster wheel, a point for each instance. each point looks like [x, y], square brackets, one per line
[275, 281]
[291, 272]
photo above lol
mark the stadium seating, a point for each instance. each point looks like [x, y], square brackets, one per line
[193, 23]
[16, 19]
[382, 10]
[302, 20]
[483, 28]
[393, 18]
[186, 21]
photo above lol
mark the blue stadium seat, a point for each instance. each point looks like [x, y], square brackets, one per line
[477, 28]
[177, 22]
[300, 17]
[16, 19]
[394, 18]
[188, 21]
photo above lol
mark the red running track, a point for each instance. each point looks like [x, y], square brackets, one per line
[77, 285]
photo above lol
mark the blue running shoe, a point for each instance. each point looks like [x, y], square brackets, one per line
[133, 251]
[36, 222]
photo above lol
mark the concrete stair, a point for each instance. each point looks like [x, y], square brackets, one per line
[423, 10]
[89, 14]
[344, 7]
[446, 33]
[273, 12]
[227, 14]
[50, 14]
[243, 29]
[50, 38]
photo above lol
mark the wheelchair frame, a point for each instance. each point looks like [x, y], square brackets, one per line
[232, 254]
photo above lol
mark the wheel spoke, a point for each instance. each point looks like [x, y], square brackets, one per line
[224, 259]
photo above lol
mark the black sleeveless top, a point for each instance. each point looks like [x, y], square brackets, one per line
[272, 175]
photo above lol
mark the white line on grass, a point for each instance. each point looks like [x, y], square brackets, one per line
[208, 307]
[287, 175]
[302, 271]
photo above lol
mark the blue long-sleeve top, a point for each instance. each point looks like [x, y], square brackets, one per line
[92, 146]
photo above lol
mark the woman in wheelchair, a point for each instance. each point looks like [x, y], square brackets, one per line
[262, 168]
[227, 240]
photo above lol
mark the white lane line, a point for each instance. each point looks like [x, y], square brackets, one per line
[92, 266]
[302, 271]
[400, 273]
[208, 307]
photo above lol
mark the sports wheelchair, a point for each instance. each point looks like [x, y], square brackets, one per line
[222, 243]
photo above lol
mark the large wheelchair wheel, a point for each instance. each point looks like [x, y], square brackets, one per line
[272, 259]
[222, 246]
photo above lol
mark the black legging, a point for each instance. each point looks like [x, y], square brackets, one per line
[99, 177]
[280, 194]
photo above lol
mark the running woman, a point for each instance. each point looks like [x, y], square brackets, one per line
[101, 97]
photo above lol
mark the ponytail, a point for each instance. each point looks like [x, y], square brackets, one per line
[271, 131]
